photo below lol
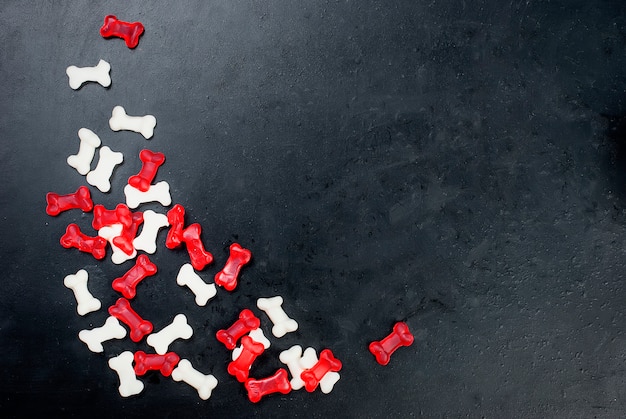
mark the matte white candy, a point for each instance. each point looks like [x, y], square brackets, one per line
[159, 192]
[152, 223]
[297, 362]
[89, 141]
[123, 366]
[86, 302]
[112, 329]
[203, 291]
[258, 336]
[108, 233]
[178, 329]
[203, 383]
[100, 177]
[141, 124]
[80, 75]
[274, 310]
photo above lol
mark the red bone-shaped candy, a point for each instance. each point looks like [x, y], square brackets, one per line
[104, 217]
[81, 199]
[247, 322]
[326, 364]
[128, 31]
[198, 255]
[382, 350]
[277, 383]
[124, 312]
[73, 237]
[240, 367]
[127, 284]
[151, 162]
[228, 276]
[146, 362]
[125, 240]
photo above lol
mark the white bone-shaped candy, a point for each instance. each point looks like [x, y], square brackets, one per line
[159, 192]
[258, 336]
[205, 384]
[141, 124]
[112, 329]
[178, 329]
[81, 161]
[80, 75]
[152, 223]
[291, 357]
[86, 302]
[203, 291]
[108, 233]
[123, 366]
[100, 177]
[274, 310]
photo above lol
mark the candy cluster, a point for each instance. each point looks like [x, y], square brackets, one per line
[132, 235]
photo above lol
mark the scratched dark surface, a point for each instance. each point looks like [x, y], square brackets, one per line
[457, 165]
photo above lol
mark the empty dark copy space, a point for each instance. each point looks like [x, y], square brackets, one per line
[458, 165]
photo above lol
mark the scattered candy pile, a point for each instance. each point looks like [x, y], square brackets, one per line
[119, 228]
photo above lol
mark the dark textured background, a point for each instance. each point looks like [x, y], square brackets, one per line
[455, 164]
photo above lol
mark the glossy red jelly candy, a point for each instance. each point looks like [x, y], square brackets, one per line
[81, 199]
[277, 383]
[153, 362]
[139, 327]
[326, 364]
[246, 322]
[151, 163]
[400, 336]
[73, 237]
[127, 284]
[240, 367]
[229, 276]
[128, 31]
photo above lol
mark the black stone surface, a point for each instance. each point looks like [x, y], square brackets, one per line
[457, 165]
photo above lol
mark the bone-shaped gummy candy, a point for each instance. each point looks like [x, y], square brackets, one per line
[298, 362]
[178, 329]
[81, 75]
[125, 239]
[93, 338]
[204, 384]
[383, 349]
[123, 366]
[127, 284]
[326, 363]
[159, 192]
[276, 383]
[124, 312]
[152, 223]
[237, 258]
[104, 217]
[81, 199]
[100, 177]
[203, 291]
[154, 362]
[128, 31]
[85, 301]
[190, 236]
[258, 336]
[120, 121]
[240, 367]
[89, 142]
[246, 322]
[274, 310]
[73, 237]
[109, 233]
[151, 161]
